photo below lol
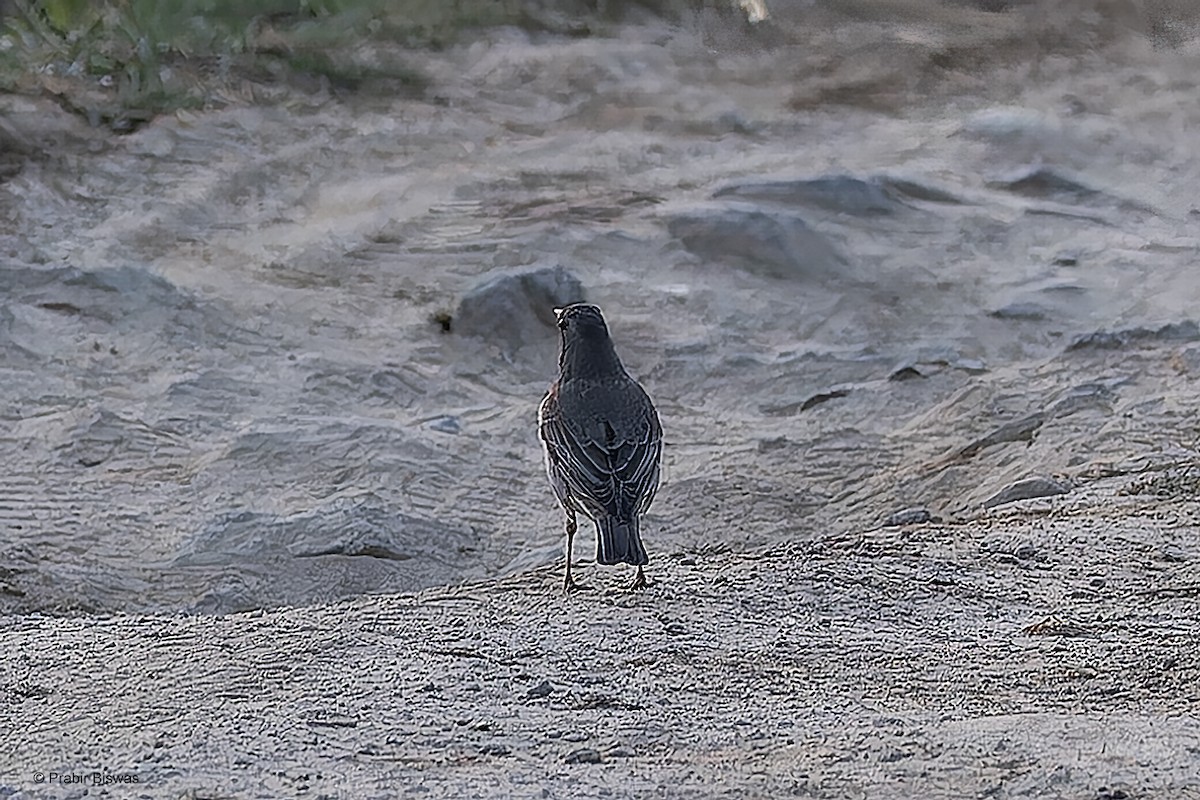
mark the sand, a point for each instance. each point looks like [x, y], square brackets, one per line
[913, 292]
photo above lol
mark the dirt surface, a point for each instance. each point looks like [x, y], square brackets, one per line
[913, 290]
[1046, 652]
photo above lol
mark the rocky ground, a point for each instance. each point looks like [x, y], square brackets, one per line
[1046, 651]
[912, 289]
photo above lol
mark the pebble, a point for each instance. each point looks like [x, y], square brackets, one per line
[446, 425]
[584, 755]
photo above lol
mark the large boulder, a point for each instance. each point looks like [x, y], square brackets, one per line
[776, 244]
[875, 196]
[839, 193]
[517, 308]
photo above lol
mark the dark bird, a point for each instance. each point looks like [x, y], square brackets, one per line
[602, 439]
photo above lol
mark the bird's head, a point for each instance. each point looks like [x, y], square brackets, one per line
[587, 349]
[582, 319]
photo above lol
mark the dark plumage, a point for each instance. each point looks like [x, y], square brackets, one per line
[602, 439]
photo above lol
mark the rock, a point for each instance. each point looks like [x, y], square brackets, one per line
[1047, 183]
[1172, 554]
[584, 755]
[823, 397]
[908, 372]
[98, 439]
[788, 409]
[543, 689]
[1083, 396]
[1187, 360]
[1018, 548]
[446, 425]
[929, 365]
[1047, 298]
[909, 516]
[1171, 483]
[495, 749]
[113, 295]
[363, 526]
[1011, 124]
[972, 366]
[841, 193]
[517, 308]
[1026, 489]
[1021, 310]
[778, 245]
[1019, 430]
[1186, 331]
[921, 191]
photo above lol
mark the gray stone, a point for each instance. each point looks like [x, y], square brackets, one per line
[1048, 184]
[361, 525]
[908, 372]
[840, 193]
[1186, 331]
[1082, 397]
[973, 366]
[909, 516]
[495, 749]
[1021, 310]
[1024, 429]
[921, 191]
[446, 425]
[517, 308]
[584, 755]
[775, 244]
[1014, 547]
[1026, 489]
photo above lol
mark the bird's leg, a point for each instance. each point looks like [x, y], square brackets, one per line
[640, 581]
[569, 583]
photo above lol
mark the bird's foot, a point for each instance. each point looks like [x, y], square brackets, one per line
[569, 585]
[639, 582]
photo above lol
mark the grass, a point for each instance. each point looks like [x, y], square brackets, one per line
[120, 62]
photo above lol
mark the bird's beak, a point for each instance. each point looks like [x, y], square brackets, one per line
[558, 312]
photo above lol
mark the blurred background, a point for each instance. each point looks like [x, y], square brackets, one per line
[275, 275]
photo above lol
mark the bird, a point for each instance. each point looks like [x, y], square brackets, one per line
[602, 441]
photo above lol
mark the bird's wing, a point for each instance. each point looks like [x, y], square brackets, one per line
[547, 415]
[635, 465]
[605, 471]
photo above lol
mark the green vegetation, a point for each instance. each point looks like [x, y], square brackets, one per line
[119, 62]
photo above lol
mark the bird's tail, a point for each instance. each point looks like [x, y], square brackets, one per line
[619, 542]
